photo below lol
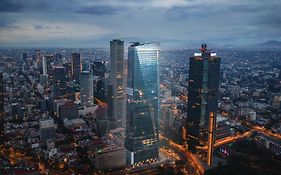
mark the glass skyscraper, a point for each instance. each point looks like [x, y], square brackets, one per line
[142, 127]
[86, 88]
[203, 86]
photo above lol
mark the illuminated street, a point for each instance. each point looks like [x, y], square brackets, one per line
[194, 162]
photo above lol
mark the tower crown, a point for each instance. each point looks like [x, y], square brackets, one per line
[203, 48]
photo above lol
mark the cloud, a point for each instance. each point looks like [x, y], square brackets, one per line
[100, 10]
[227, 21]
[10, 6]
[32, 31]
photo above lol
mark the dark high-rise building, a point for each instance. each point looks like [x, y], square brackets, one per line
[110, 105]
[102, 127]
[204, 72]
[68, 70]
[16, 111]
[38, 58]
[99, 71]
[76, 66]
[117, 106]
[68, 111]
[99, 90]
[1, 109]
[99, 68]
[142, 120]
[50, 63]
[58, 58]
[24, 57]
[59, 82]
[85, 66]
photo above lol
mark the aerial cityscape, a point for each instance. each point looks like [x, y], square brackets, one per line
[127, 87]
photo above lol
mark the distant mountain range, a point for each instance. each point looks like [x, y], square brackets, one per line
[268, 44]
[166, 43]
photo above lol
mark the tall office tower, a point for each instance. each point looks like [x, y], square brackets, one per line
[24, 57]
[50, 63]
[99, 71]
[59, 82]
[44, 62]
[76, 66]
[86, 88]
[203, 89]
[68, 70]
[1, 109]
[118, 103]
[58, 58]
[142, 125]
[99, 68]
[38, 57]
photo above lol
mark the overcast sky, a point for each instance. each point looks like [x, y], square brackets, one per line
[92, 23]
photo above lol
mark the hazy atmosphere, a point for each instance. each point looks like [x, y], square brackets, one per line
[91, 23]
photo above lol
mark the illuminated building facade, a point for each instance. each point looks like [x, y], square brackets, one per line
[142, 127]
[203, 97]
[117, 82]
[211, 138]
[76, 66]
[86, 88]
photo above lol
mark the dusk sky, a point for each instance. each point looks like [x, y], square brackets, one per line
[92, 23]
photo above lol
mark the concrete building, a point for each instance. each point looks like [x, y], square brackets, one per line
[68, 111]
[103, 127]
[59, 82]
[223, 128]
[86, 89]
[16, 111]
[46, 130]
[117, 82]
[76, 66]
[111, 157]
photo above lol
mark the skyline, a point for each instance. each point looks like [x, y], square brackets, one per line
[175, 23]
[47, 128]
